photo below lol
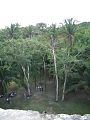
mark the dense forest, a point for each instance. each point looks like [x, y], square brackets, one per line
[34, 56]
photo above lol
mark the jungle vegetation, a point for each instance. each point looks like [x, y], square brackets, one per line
[38, 54]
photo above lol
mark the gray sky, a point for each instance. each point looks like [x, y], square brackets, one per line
[27, 12]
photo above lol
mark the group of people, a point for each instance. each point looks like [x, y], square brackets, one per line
[8, 96]
[39, 88]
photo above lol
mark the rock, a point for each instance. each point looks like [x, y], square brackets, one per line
[76, 117]
[86, 117]
[63, 117]
[10, 114]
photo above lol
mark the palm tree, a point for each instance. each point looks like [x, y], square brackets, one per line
[68, 32]
[30, 31]
[13, 31]
[41, 28]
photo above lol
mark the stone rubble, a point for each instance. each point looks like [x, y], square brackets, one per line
[10, 114]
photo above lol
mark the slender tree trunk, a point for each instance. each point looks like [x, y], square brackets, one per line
[28, 72]
[65, 80]
[44, 65]
[55, 64]
[56, 75]
[27, 80]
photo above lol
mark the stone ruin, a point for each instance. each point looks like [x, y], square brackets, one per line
[10, 114]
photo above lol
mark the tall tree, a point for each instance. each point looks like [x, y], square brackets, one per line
[13, 31]
[53, 36]
[28, 31]
[68, 32]
[41, 28]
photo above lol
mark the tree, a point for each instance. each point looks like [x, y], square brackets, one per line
[53, 35]
[68, 31]
[41, 28]
[28, 31]
[24, 53]
[3, 35]
[13, 31]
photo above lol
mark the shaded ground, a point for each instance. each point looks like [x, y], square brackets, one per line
[75, 103]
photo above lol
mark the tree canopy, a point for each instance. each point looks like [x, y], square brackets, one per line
[32, 54]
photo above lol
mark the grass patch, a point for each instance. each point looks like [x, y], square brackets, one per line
[42, 102]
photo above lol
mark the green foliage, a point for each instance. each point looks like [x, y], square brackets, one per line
[13, 31]
[28, 46]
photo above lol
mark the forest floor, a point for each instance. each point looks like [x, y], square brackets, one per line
[75, 103]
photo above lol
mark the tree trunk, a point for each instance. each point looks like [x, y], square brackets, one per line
[56, 75]
[28, 85]
[55, 65]
[44, 65]
[27, 79]
[65, 80]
